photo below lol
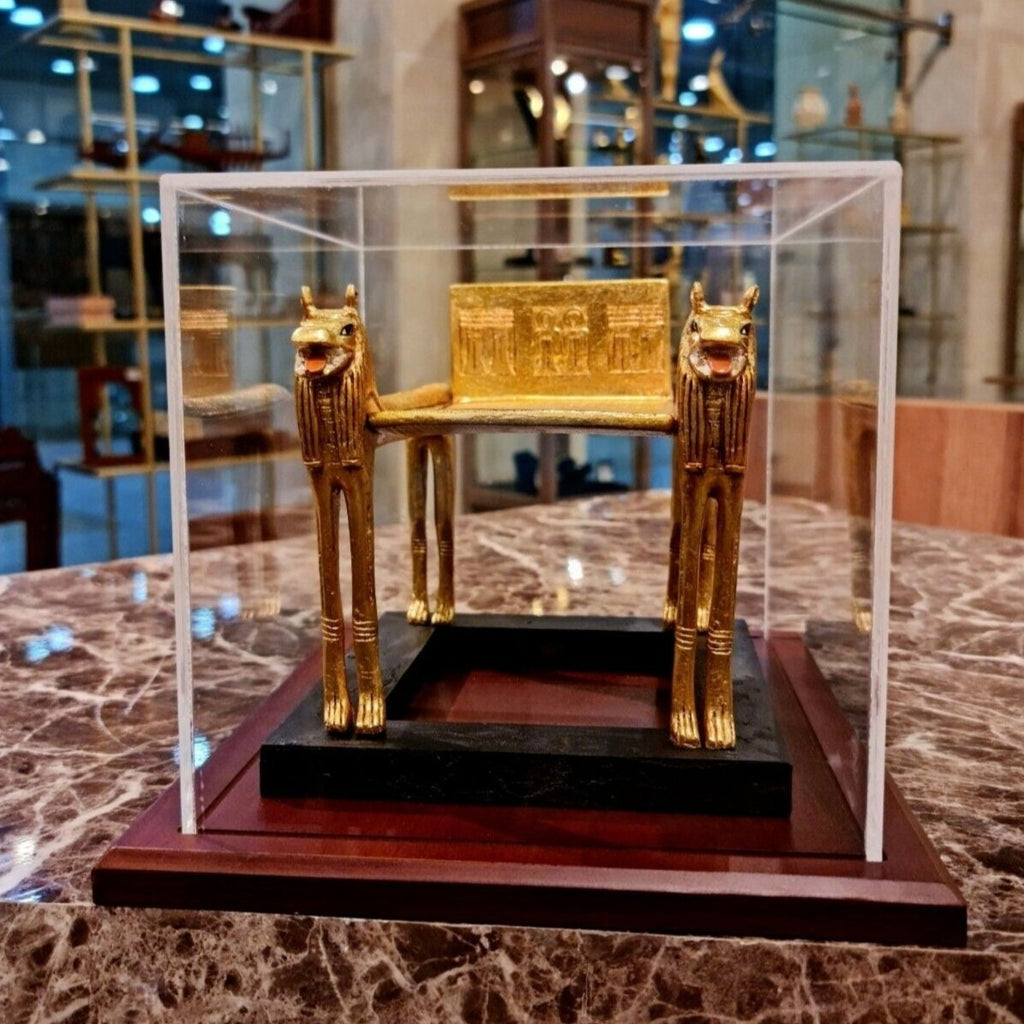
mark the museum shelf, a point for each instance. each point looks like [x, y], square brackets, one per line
[700, 119]
[112, 176]
[931, 242]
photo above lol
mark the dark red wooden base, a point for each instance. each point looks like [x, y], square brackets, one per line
[802, 877]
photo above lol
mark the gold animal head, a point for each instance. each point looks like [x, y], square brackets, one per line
[328, 340]
[718, 341]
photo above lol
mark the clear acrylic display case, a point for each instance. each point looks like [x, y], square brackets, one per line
[821, 241]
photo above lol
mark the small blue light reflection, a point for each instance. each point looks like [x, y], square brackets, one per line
[36, 649]
[688, 98]
[26, 17]
[574, 570]
[63, 66]
[766, 150]
[145, 85]
[200, 750]
[229, 607]
[698, 30]
[60, 639]
[714, 144]
[151, 216]
[214, 44]
[220, 223]
[30, 895]
[140, 587]
[204, 623]
[193, 122]
[201, 83]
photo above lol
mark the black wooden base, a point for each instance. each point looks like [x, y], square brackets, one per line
[543, 712]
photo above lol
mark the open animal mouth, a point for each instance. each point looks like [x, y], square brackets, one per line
[314, 359]
[719, 361]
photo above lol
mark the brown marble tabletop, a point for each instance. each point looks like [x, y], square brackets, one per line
[87, 741]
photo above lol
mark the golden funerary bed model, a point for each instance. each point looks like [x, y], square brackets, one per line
[552, 357]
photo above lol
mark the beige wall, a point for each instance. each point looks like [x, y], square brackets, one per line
[396, 107]
[971, 91]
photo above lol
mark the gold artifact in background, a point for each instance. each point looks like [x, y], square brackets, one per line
[670, 26]
[858, 408]
[207, 355]
[720, 96]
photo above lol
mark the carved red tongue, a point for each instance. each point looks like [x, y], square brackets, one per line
[314, 364]
[720, 363]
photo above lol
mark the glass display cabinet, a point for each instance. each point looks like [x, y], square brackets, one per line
[384, 258]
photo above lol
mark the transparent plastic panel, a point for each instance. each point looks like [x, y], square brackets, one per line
[503, 107]
[830, 415]
[816, 239]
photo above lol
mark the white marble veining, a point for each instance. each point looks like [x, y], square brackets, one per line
[87, 740]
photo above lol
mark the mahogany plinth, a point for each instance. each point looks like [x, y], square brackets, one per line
[553, 711]
[801, 877]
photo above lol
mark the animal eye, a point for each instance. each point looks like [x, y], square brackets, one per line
[745, 330]
[347, 330]
[694, 326]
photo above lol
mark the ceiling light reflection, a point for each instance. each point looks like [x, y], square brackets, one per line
[576, 83]
[145, 85]
[698, 30]
[26, 17]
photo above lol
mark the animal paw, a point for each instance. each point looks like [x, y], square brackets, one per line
[419, 611]
[719, 729]
[444, 612]
[668, 614]
[683, 728]
[370, 714]
[337, 713]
